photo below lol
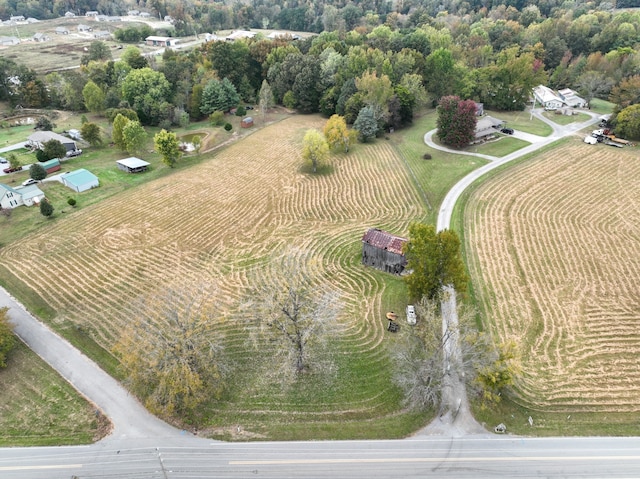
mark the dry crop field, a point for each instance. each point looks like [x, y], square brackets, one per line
[219, 223]
[553, 247]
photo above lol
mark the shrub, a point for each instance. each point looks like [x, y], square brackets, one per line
[71, 202]
[241, 111]
[216, 118]
[228, 126]
[426, 156]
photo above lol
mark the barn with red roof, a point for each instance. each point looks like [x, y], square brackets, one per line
[383, 251]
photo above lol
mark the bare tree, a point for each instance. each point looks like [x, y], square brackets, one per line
[292, 316]
[171, 354]
[436, 348]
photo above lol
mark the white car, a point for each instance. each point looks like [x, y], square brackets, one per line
[411, 314]
[591, 140]
[28, 182]
[3, 160]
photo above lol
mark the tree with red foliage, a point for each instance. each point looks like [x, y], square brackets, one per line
[456, 121]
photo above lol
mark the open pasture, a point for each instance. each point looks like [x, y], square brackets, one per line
[553, 247]
[220, 222]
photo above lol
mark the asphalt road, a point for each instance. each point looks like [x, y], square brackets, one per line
[419, 457]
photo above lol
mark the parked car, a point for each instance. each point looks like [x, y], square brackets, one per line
[28, 182]
[3, 160]
[411, 314]
[507, 131]
[72, 153]
[11, 170]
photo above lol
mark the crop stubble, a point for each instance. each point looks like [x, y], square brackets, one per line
[219, 223]
[554, 250]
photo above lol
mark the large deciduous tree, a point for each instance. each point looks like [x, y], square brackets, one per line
[628, 122]
[171, 354]
[456, 121]
[93, 97]
[7, 339]
[91, 133]
[54, 149]
[338, 136]
[167, 144]
[119, 122]
[133, 136]
[314, 148]
[147, 91]
[37, 172]
[435, 261]
[292, 318]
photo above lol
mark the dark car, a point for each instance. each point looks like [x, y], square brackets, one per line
[11, 170]
[507, 131]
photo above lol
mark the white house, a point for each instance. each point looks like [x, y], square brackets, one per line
[546, 97]
[571, 98]
[40, 37]
[80, 180]
[23, 195]
[156, 41]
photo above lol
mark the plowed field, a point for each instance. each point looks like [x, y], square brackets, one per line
[553, 247]
[219, 222]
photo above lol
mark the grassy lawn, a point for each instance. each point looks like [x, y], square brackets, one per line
[566, 119]
[500, 147]
[601, 106]
[39, 408]
[433, 178]
[523, 121]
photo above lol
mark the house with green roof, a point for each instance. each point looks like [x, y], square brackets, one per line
[80, 180]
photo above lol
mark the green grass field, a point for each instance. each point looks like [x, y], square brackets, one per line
[39, 408]
[523, 121]
[501, 147]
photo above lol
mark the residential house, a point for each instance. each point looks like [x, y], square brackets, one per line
[486, 127]
[69, 14]
[572, 99]
[91, 13]
[133, 13]
[283, 36]
[62, 31]
[32, 20]
[39, 138]
[239, 34]
[84, 28]
[156, 41]
[383, 251]
[7, 41]
[80, 180]
[546, 97]
[102, 34]
[40, 37]
[23, 195]
[132, 165]
[17, 18]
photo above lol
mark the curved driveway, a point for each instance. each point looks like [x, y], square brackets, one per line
[454, 395]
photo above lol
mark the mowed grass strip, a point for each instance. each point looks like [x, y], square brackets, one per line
[552, 248]
[39, 408]
[219, 222]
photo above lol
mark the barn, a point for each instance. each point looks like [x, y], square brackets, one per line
[383, 251]
[51, 165]
[246, 122]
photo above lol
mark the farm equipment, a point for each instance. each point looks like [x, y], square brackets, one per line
[607, 137]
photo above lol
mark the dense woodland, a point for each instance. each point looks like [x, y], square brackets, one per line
[389, 57]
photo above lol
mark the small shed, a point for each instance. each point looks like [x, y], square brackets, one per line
[84, 28]
[246, 122]
[62, 31]
[383, 251]
[132, 165]
[51, 165]
[80, 180]
[40, 37]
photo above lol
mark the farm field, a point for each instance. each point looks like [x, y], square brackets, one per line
[552, 247]
[219, 222]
